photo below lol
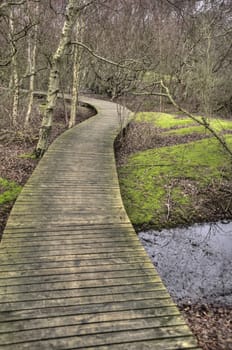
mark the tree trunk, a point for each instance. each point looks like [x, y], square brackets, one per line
[76, 74]
[14, 82]
[32, 48]
[54, 83]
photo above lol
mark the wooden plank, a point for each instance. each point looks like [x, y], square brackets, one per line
[177, 343]
[158, 290]
[40, 265]
[83, 309]
[73, 284]
[84, 300]
[78, 276]
[144, 289]
[99, 317]
[92, 328]
[20, 253]
[75, 270]
[76, 258]
[82, 341]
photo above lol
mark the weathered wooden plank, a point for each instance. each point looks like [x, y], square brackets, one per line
[67, 247]
[177, 343]
[127, 280]
[158, 290]
[78, 342]
[83, 309]
[80, 276]
[99, 317]
[77, 258]
[84, 300]
[91, 328]
[76, 231]
[98, 263]
[29, 241]
[76, 270]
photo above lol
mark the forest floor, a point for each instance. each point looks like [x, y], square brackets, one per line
[211, 324]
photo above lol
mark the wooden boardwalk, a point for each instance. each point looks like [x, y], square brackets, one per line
[73, 274]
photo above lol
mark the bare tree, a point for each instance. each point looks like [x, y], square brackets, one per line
[14, 82]
[73, 7]
[32, 50]
[76, 72]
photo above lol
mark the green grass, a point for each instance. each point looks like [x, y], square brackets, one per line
[9, 190]
[27, 156]
[188, 131]
[185, 125]
[162, 120]
[154, 178]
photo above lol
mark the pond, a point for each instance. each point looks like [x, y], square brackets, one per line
[194, 263]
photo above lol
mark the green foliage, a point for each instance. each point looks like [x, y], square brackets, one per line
[9, 190]
[156, 179]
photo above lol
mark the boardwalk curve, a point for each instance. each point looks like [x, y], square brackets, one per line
[73, 274]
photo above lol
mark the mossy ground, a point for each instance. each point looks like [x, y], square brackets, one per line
[171, 185]
[9, 190]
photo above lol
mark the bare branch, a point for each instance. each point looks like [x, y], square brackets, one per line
[203, 122]
[106, 60]
[11, 3]
[146, 93]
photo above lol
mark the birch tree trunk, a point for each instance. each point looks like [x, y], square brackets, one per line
[54, 76]
[76, 75]
[14, 81]
[32, 49]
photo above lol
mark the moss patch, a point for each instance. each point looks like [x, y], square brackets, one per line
[188, 131]
[183, 125]
[9, 190]
[163, 120]
[27, 156]
[160, 187]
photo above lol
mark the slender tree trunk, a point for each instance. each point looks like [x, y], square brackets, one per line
[15, 106]
[32, 49]
[54, 77]
[14, 81]
[76, 75]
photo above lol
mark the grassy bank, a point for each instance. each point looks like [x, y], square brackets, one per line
[178, 184]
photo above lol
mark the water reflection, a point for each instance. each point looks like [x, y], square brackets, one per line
[194, 263]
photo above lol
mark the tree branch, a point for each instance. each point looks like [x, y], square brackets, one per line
[11, 3]
[145, 93]
[202, 121]
[106, 60]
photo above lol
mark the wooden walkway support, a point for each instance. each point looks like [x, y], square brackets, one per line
[73, 274]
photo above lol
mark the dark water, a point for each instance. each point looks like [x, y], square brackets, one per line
[194, 263]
